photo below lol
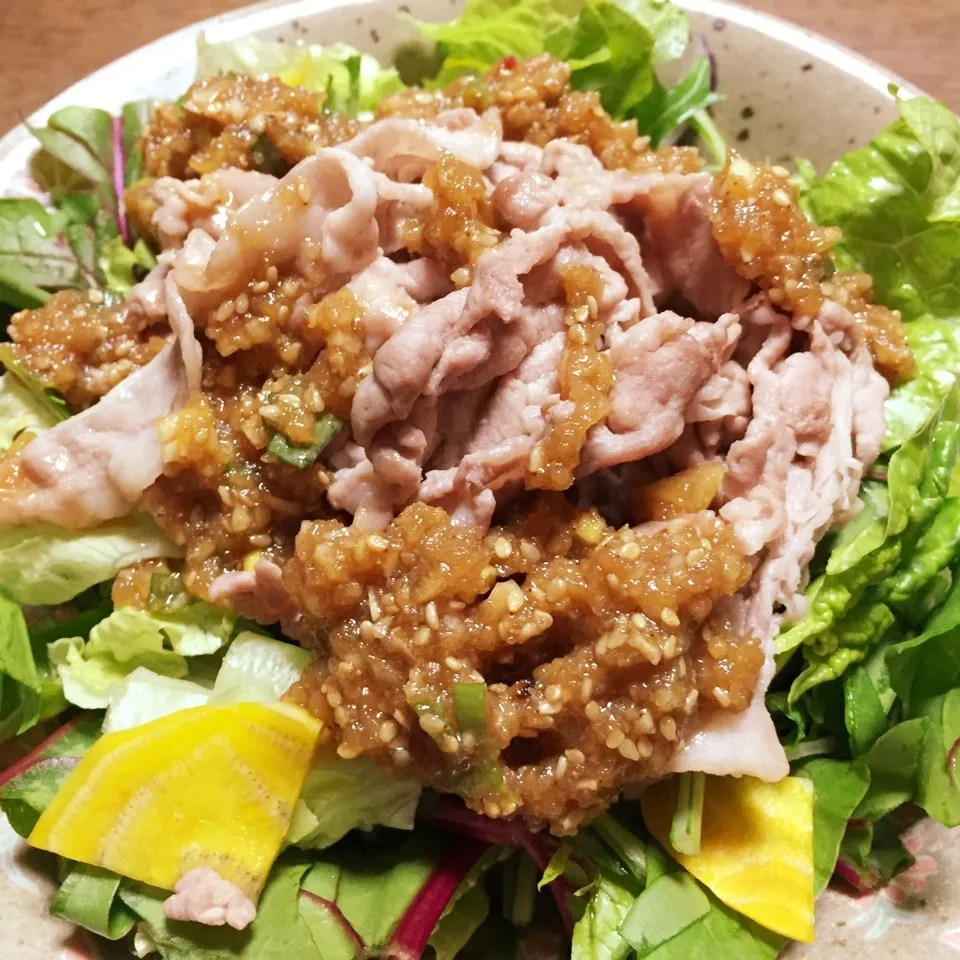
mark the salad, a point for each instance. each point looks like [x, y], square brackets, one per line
[465, 509]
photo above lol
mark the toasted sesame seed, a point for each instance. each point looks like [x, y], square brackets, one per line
[242, 303]
[592, 710]
[628, 749]
[669, 616]
[592, 306]
[574, 755]
[449, 744]
[468, 741]
[431, 724]
[388, 731]
[588, 785]
[453, 663]
[578, 335]
[746, 256]
[491, 808]
[303, 191]
[272, 274]
[345, 752]
[691, 700]
[645, 722]
[561, 767]
[630, 551]
[780, 171]
[614, 738]
[669, 647]
[502, 548]
[460, 277]
[377, 543]
[781, 198]
[586, 688]
[548, 709]
[341, 716]
[400, 756]
[225, 310]
[422, 636]
[516, 600]
[375, 611]
[430, 614]
[581, 314]
[553, 693]
[644, 747]
[668, 728]
[721, 696]
[535, 462]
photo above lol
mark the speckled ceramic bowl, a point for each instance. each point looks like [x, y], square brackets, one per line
[788, 92]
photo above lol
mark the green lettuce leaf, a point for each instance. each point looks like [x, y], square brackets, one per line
[144, 696]
[938, 791]
[898, 204]
[892, 763]
[117, 263]
[596, 934]
[94, 670]
[353, 82]
[258, 668]
[20, 410]
[458, 925]
[53, 406]
[44, 565]
[344, 795]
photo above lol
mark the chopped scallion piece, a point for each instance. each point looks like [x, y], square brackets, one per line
[470, 704]
[520, 890]
[685, 829]
[301, 457]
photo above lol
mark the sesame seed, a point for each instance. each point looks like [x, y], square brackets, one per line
[491, 808]
[375, 611]
[303, 191]
[547, 709]
[581, 314]
[721, 696]
[574, 755]
[578, 335]
[535, 462]
[668, 728]
[334, 698]
[592, 306]
[283, 313]
[614, 738]
[586, 688]
[224, 311]
[669, 647]
[460, 277]
[400, 756]
[561, 768]
[630, 551]
[430, 613]
[691, 701]
[272, 274]
[431, 724]
[589, 785]
[341, 716]
[422, 636]
[261, 286]
[516, 600]
[644, 747]
[645, 723]
[377, 543]
[613, 581]
[592, 710]
[780, 171]
[95, 296]
[388, 731]
[468, 741]
[345, 752]
[553, 693]
[628, 749]
[669, 616]
[781, 198]
[502, 548]
[453, 663]
[449, 744]
[242, 303]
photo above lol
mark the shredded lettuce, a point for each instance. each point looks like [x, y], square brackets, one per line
[258, 668]
[45, 565]
[93, 671]
[20, 411]
[352, 82]
[144, 696]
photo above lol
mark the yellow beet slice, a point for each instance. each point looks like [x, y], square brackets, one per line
[208, 786]
[756, 847]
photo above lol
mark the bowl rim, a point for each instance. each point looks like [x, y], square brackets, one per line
[270, 14]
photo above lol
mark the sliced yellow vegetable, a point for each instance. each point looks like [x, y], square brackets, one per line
[211, 786]
[756, 847]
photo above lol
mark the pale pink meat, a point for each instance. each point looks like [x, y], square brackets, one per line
[203, 896]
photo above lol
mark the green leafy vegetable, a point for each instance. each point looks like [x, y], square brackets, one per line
[664, 910]
[301, 457]
[839, 786]
[19, 411]
[144, 696]
[892, 763]
[875, 853]
[117, 263]
[457, 927]
[343, 795]
[91, 672]
[896, 201]
[258, 668]
[352, 82]
[665, 109]
[596, 934]
[520, 889]
[44, 565]
[624, 842]
[133, 118]
[33, 260]
[88, 897]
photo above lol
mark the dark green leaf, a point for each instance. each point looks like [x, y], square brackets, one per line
[88, 897]
[938, 792]
[893, 764]
[665, 109]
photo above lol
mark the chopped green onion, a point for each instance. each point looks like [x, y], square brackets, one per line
[167, 593]
[470, 705]
[631, 851]
[519, 890]
[301, 457]
[685, 829]
[265, 157]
